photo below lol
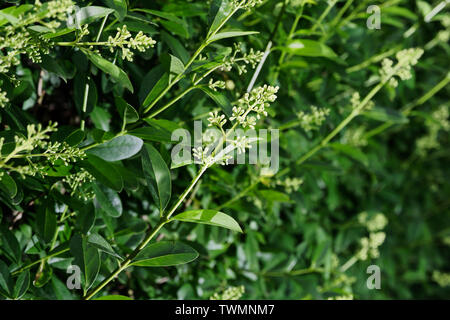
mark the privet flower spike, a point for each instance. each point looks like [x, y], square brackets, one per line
[335, 161]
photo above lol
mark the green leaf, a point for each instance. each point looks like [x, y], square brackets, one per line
[101, 136]
[164, 254]
[7, 184]
[152, 134]
[160, 77]
[60, 289]
[163, 124]
[176, 47]
[220, 99]
[126, 111]
[22, 285]
[5, 280]
[75, 138]
[114, 71]
[63, 68]
[352, 152]
[173, 65]
[85, 218]
[109, 200]
[13, 12]
[157, 175]
[87, 15]
[46, 223]
[309, 48]
[149, 82]
[230, 34]
[57, 169]
[162, 14]
[424, 7]
[10, 18]
[59, 33]
[171, 22]
[180, 164]
[399, 11]
[98, 241]
[386, 115]
[130, 177]
[120, 6]
[87, 258]
[156, 90]
[40, 29]
[180, 29]
[10, 246]
[113, 297]
[211, 217]
[119, 148]
[219, 10]
[272, 195]
[103, 172]
[101, 118]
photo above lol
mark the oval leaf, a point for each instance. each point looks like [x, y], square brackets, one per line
[10, 246]
[104, 172]
[22, 284]
[7, 184]
[87, 258]
[98, 241]
[230, 34]
[211, 217]
[5, 280]
[164, 254]
[119, 148]
[46, 224]
[126, 111]
[110, 68]
[157, 175]
[109, 200]
[309, 48]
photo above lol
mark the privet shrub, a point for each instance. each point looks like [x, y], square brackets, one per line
[93, 98]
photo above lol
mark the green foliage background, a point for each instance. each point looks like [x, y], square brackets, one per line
[295, 242]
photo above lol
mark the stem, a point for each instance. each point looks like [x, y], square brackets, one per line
[341, 13]
[177, 78]
[94, 144]
[122, 266]
[408, 108]
[85, 100]
[171, 102]
[324, 14]
[192, 59]
[28, 266]
[290, 36]
[240, 195]
[372, 60]
[186, 192]
[349, 263]
[330, 136]
[146, 240]
[182, 94]
[268, 47]
[86, 89]
[343, 124]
